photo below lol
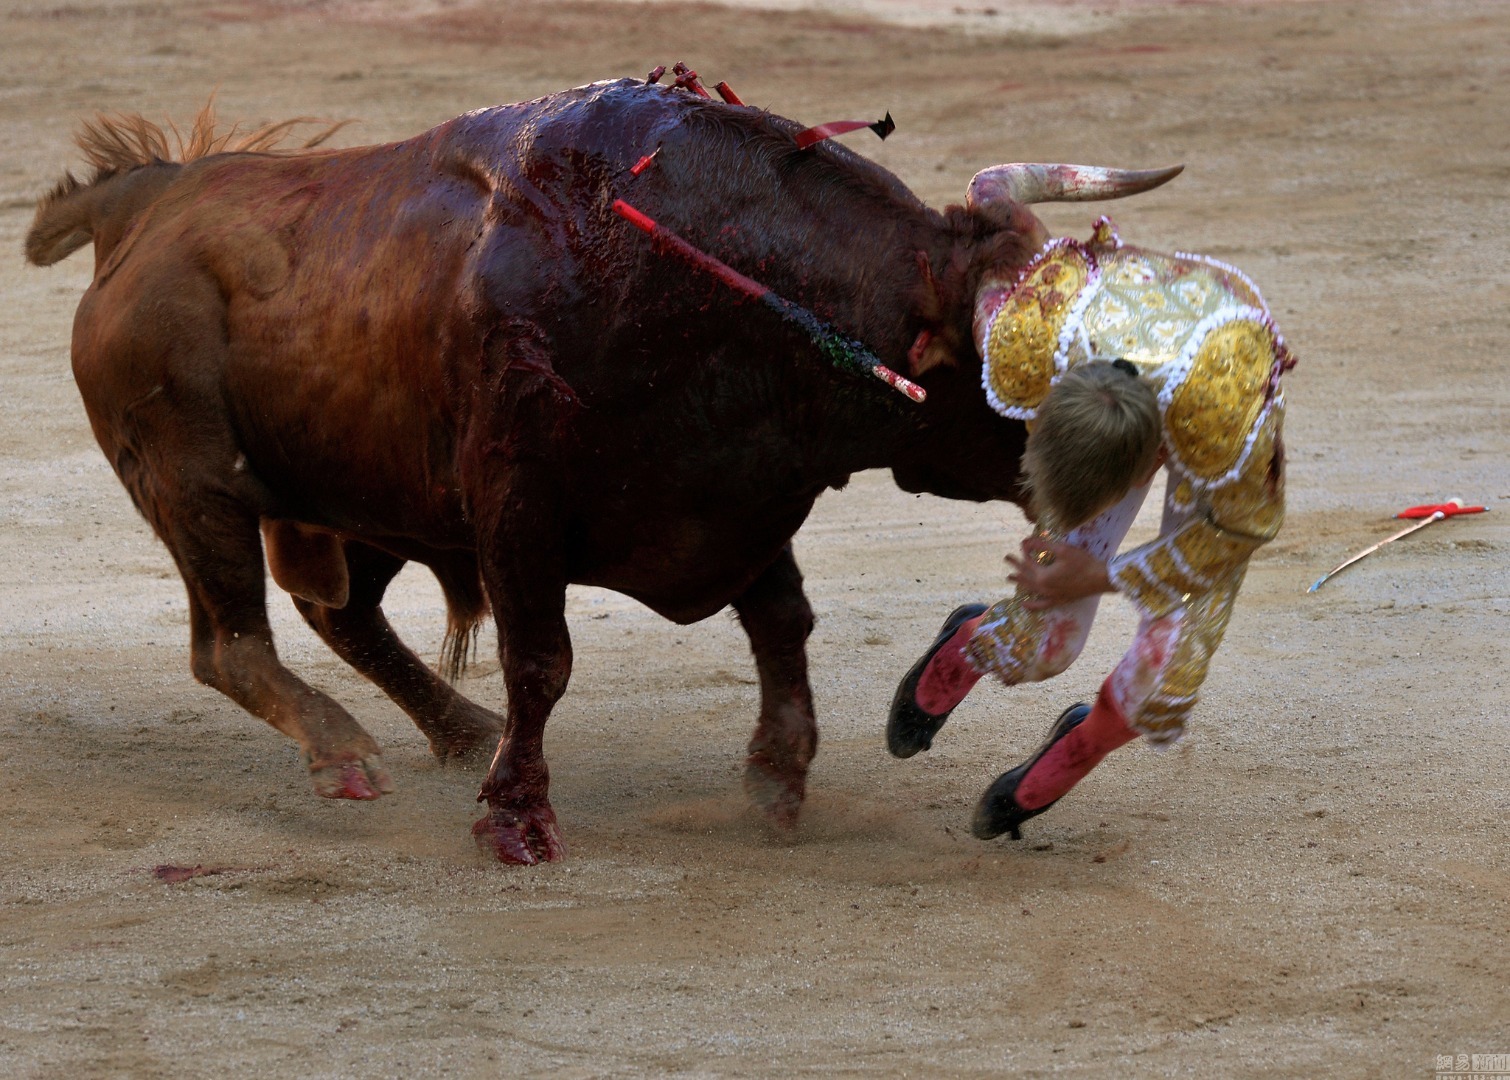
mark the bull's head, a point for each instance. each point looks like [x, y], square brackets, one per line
[958, 460]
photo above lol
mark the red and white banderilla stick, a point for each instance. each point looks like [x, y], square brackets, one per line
[1431, 513]
[842, 351]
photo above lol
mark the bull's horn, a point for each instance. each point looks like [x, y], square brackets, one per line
[1027, 182]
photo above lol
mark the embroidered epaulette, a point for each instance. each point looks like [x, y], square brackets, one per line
[1024, 347]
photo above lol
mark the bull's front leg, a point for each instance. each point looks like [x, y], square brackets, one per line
[535, 651]
[776, 615]
[515, 490]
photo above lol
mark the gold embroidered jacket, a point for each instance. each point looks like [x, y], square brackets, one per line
[1201, 335]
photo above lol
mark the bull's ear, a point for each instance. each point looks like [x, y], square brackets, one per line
[930, 304]
[929, 350]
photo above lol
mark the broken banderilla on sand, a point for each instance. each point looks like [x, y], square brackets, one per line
[1431, 513]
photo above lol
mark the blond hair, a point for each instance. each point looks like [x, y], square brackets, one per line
[1096, 435]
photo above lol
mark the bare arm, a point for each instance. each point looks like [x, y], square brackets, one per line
[1052, 572]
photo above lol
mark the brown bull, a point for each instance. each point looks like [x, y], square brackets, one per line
[450, 350]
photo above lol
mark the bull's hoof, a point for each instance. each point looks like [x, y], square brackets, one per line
[522, 838]
[466, 758]
[466, 736]
[466, 753]
[776, 792]
[364, 779]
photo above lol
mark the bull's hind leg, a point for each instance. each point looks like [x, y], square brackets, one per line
[358, 632]
[778, 619]
[214, 538]
[149, 357]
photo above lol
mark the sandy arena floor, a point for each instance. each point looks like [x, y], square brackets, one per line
[1315, 884]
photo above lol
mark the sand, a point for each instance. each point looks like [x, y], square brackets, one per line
[1314, 883]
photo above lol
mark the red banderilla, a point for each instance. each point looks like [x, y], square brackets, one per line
[687, 79]
[813, 135]
[1449, 509]
[843, 352]
[644, 162]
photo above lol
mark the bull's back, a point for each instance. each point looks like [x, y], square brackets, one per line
[318, 300]
[368, 294]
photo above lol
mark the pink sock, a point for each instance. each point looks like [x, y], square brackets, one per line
[1074, 756]
[948, 677]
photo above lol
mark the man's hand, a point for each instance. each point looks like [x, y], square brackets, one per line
[1055, 573]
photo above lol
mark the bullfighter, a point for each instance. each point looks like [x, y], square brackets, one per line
[1120, 360]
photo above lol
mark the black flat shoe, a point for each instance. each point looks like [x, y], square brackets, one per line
[908, 728]
[997, 811]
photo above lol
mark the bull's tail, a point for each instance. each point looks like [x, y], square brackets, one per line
[75, 212]
[459, 647]
[133, 162]
[64, 222]
[465, 608]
